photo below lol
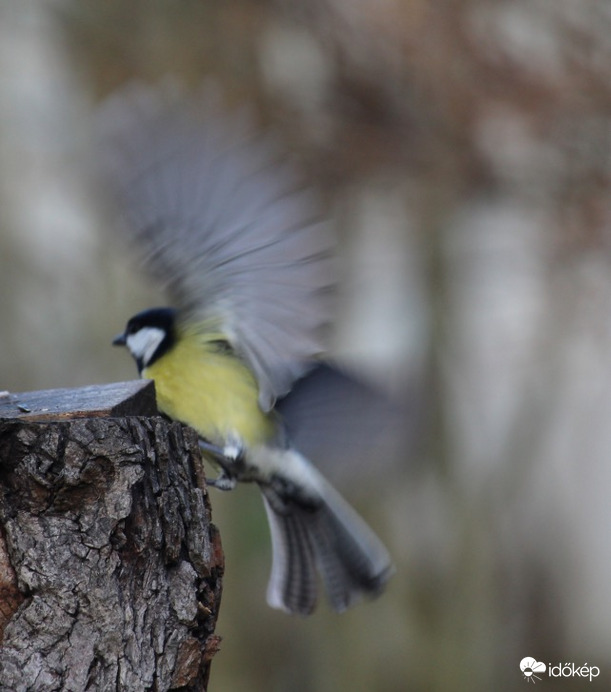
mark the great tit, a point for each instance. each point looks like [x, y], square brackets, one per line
[226, 226]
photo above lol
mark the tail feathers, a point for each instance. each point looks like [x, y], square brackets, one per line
[292, 585]
[325, 535]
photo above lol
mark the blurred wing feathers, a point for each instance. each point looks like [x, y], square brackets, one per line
[223, 223]
[342, 424]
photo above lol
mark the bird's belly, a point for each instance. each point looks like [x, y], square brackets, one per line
[216, 395]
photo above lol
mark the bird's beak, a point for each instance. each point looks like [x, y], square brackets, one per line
[120, 340]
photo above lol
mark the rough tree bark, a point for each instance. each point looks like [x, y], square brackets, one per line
[110, 569]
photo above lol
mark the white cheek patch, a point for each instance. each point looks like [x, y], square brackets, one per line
[144, 343]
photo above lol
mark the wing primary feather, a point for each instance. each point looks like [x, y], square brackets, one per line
[220, 217]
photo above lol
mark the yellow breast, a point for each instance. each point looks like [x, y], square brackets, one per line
[211, 390]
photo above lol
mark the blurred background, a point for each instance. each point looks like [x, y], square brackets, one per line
[463, 151]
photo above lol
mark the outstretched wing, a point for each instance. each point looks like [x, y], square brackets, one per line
[341, 423]
[224, 223]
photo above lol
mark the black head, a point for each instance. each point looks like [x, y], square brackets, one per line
[148, 335]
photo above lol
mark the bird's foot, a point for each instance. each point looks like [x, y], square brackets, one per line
[223, 481]
[229, 458]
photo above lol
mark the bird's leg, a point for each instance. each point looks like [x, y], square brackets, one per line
[230, 460]
[210, 448]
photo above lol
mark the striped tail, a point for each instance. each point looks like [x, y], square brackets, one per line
[317, 531]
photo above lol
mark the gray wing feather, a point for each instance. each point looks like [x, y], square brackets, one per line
[224, 223]
[343, 424]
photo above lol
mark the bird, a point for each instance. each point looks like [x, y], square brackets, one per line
[224, 222]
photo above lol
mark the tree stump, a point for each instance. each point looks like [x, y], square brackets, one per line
[110, 569]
